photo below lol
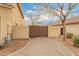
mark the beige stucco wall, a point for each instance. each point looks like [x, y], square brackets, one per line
[53, 31]
[9, 17]
[73, 28]
[20, 32]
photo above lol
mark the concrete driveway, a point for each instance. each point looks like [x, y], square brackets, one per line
[42, 46]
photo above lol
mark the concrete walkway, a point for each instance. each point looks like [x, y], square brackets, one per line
[43, 47]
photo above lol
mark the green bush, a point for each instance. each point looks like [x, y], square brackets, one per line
[70, 35]
[76, 41]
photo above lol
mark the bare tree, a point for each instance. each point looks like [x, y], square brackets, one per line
[33, 18]
[60, 12]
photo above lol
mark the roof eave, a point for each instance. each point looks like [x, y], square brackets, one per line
[20, 10]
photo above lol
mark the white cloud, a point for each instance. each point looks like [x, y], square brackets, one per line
[29, 11]
[36, 7]
[59, 12]
[44, 18]
[32, 12]
[27, 20]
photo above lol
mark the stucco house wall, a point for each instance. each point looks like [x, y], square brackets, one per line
[73, 28]
[53, 31]
[9, 18]
[20, 32]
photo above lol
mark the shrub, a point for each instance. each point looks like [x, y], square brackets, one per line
[76, 41]
[70, 35]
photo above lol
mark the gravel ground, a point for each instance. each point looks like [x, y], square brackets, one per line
[13, 46]
[69, 44]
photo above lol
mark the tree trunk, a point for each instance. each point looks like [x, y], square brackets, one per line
[64, 30]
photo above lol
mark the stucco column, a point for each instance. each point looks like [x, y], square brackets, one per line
[1, 32]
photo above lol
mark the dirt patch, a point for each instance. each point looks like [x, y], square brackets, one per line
[68, 43]
[13, 46]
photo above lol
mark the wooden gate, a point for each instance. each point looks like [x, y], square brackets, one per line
[38, 31]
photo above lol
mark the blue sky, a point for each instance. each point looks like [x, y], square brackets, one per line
[26, 7]
[29, 6]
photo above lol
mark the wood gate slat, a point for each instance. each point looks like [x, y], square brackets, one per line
[38, 31]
